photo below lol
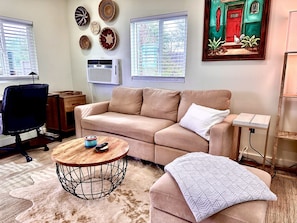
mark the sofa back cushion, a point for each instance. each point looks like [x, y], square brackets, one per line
[126, 100]
[160, 103]
[216, 99]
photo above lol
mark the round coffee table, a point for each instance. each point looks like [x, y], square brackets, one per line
[88, 174]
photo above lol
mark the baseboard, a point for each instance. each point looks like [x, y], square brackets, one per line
[279, 162]
[8, 140]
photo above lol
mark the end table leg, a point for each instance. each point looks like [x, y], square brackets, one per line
[236, 143]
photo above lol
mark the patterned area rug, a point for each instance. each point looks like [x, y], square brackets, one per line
[128, 203]
[16, 176]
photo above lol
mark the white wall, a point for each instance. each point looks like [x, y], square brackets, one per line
[51, 37]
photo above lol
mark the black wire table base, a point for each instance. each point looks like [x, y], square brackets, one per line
[92, 182]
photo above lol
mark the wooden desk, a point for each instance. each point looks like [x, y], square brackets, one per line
[60, 110]
[253, 121]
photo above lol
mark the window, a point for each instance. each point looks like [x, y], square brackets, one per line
[158, 46]
[17, 49]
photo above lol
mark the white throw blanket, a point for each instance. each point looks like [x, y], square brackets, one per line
[210, 183]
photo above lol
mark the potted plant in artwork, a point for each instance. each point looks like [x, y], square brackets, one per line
[250, 43]
[215, 46]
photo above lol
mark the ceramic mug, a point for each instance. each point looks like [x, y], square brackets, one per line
[90, 141]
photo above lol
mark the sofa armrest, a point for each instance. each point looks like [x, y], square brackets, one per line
[221, 137]
[83, 111]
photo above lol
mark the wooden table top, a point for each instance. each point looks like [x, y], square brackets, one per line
[252, 120]
[74, 152]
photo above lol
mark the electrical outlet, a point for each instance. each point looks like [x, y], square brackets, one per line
[252, 130]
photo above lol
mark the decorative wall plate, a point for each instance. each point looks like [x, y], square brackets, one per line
[108, 38]
[95, 27]
[107, 10]
[84, 42]
[82, 16]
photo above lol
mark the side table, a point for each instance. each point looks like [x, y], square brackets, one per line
[252, 121]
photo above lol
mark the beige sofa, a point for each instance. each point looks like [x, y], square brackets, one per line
[148, 119]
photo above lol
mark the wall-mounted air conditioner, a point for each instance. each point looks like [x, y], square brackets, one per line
[103, 71]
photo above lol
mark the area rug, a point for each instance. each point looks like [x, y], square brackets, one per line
[16, 175]
[129, 203]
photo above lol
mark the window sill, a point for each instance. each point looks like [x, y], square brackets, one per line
[15, 77]
[159, 79]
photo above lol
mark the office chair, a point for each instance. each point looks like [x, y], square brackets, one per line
[23, 110]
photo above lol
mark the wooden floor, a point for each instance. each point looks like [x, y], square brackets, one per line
[284, 210]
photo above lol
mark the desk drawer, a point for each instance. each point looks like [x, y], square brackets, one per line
[71, 102]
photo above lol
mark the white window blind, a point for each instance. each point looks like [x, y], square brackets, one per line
[158, 45]
[17, 48]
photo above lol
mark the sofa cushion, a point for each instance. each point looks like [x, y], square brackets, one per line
[132, 126]
[180, 138]
[200, 119]
[217, 99]
[160, 103]
[126, 100]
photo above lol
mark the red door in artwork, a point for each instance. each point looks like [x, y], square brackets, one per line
[234, 17]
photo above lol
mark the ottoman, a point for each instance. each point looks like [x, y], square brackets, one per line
[169, 206]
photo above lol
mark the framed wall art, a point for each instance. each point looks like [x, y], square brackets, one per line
[235, 29]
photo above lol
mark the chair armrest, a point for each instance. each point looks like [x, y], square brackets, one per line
[82, 111]
[221, 137]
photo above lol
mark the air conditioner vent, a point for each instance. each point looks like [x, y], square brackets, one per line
[103, 71]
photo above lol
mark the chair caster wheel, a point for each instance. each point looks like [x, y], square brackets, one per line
[28, 158]
[46, 148]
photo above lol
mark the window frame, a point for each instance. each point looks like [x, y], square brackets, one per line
[6, 73]
[135, 54]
